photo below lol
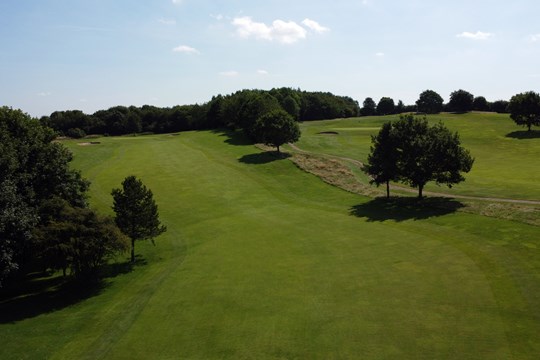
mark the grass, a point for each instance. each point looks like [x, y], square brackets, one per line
[504, 153]
[264, 261]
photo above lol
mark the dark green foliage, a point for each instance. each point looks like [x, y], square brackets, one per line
[382, 160]
[524, 109]
[276, 128]
[499, 106]
[136, 212]
[461, 101]
[429, 102]
[369, 107]
[386, 106]
[400, 107]
[412, 152]
[253, 107]
[239, 110]
[76, 238]
[291, 106]
[33, 169]
[480, 104]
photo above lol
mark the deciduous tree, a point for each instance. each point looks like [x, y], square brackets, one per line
[415, 153]
[386, 106]
[277, 128]
[461, 101]
[525, 109]
[429, 102]
[382, 161]
[368, 107]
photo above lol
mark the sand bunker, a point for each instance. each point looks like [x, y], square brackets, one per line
[89, 143]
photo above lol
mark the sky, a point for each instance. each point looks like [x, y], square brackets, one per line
[95, 54]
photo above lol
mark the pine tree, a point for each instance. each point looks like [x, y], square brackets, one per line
[136, 212]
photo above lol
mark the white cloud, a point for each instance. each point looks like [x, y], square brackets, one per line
[534, 38]
[44, 94]
[177, 2]
[479, 35]
[186, 50]
[231, 73]
[315, 26]
[379, 54]
[262, 72]
[286, 32]
[217, 17]
[167, 21]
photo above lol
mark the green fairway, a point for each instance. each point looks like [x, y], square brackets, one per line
[264, 261]
[506, 159]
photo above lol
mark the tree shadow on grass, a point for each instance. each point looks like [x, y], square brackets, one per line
[39, 294]
[524, 134]
[263, 157]
[405, 208]
[233, 137]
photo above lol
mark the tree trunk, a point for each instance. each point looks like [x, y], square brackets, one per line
[278, 149]
[132, 251]
[388, 189]
[529, 125]
[420, 188]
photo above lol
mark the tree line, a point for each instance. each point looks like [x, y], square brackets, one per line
[430, 102]
[239, 110]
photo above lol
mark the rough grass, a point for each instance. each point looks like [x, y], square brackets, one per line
[338, 173]
[264, 261]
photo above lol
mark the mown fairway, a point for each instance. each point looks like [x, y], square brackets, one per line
[264, 261]
[506, 156]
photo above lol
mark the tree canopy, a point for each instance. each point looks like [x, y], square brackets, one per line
[461, 101]
[238, 110]
[386, 106]
[276, 128]
[368, 107]
[33, 169]
[525, 109]
[383, 159]
[413, 152]
[136, 212]
[429, 102]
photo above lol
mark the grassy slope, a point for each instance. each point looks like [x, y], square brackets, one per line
[504, 167]
[264, 261]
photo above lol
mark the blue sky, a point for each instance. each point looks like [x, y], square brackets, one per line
[90, 55]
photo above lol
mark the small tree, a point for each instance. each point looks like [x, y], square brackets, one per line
[429, 102]
[276, 128]
[525, 109]
[386, 106]
[381, 165]
[480, 104]
[136, 212]
[461, 101]
[368, 107]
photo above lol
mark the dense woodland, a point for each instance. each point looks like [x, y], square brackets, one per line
[238, 110]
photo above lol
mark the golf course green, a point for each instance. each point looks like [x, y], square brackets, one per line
[264, 261]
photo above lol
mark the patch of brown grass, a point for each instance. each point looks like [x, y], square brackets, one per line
[333, 172]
